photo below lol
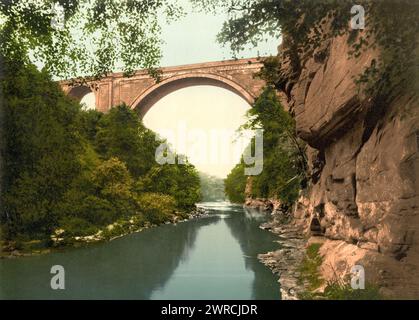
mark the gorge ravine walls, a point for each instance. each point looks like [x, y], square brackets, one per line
[364, 164]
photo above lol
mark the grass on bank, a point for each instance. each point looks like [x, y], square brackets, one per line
[337, 289]
[309, 270]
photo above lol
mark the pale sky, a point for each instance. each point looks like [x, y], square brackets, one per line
[201, 122]
[192, 39]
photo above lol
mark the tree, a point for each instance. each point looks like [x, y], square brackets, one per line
[98, 198]
[284, 162]
[39, 149]
[306, 24]
[235, 184]
[98, 35]
[66, 168]
[181, 181]
[120, 133]
[88, 123]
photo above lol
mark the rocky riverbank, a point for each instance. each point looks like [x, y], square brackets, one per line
[118, 229]
[267, 205]
[284, 262]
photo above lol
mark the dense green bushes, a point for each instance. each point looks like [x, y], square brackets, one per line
[284, 163]
[39, 150]
[100, 197]
[179, 181]
[235, 184]
[120, 134]
[157, 208]
[64, 168]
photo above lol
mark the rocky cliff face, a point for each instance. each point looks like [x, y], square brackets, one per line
[364, 160]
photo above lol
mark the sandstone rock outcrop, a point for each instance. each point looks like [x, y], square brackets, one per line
[364, 160]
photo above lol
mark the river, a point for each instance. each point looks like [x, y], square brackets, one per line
[213, 257]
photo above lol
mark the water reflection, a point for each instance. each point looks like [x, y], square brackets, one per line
[207, 258]
[253, 241]
[131, 267]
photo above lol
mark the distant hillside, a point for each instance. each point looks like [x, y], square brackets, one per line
[212, 188]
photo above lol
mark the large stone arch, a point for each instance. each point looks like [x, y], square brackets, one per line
[145, 100]
[141, 91]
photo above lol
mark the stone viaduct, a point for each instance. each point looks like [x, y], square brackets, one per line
[141, 91]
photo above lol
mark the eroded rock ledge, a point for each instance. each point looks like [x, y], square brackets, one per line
[363, 159]
[364, 163]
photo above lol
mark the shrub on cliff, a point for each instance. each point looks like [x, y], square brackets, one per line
[284, 162]
[306, 26]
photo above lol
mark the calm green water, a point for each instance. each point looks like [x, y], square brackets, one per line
[207, 258]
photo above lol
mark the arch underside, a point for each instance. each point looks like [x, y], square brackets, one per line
[79, 92]
[147, 99]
